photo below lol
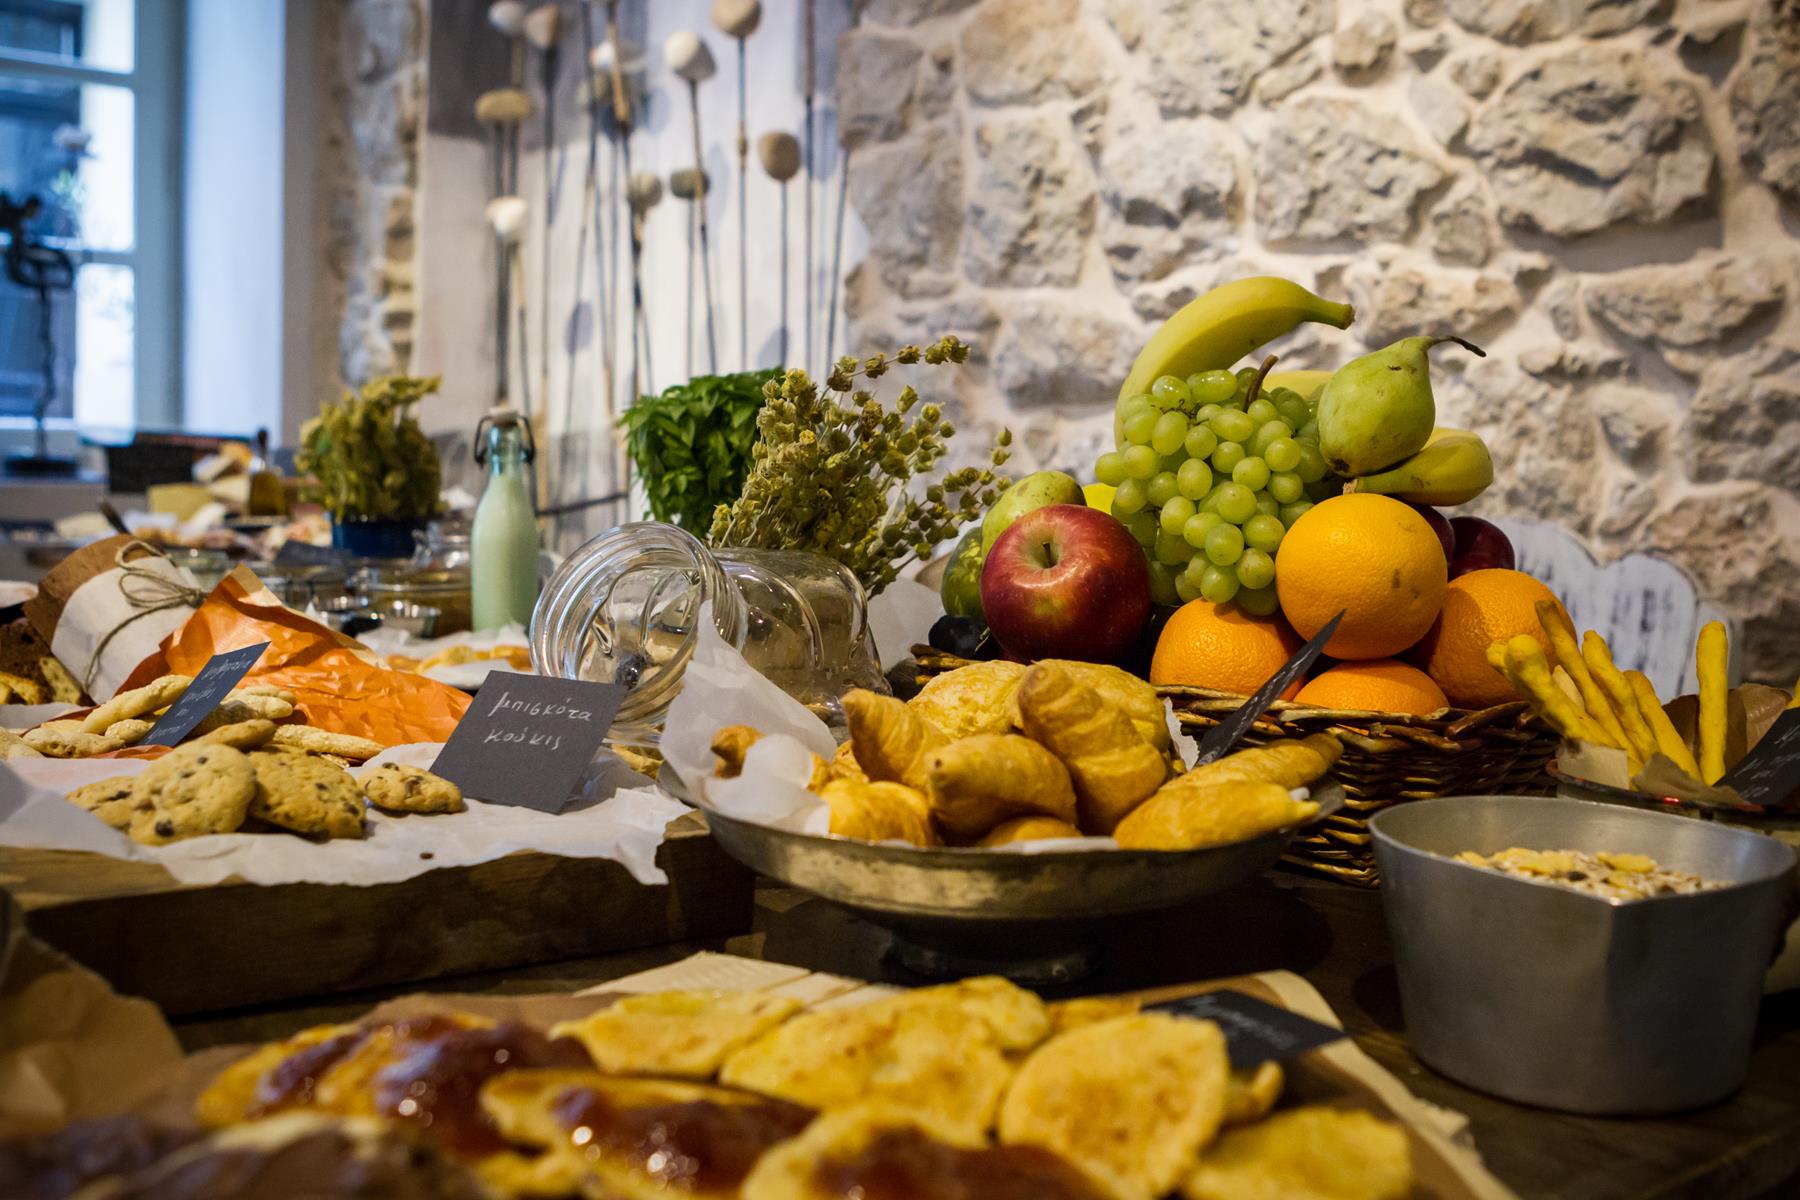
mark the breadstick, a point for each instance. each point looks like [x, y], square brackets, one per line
[1668, 742]
[1525, 663]
[1709, 662]
[1598, 657]
[1561, 633]
[1795, 702]
[1567, 683]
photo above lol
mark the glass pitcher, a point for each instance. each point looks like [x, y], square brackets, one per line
[622, 609]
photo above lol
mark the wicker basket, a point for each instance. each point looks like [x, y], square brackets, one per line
[1388, 758]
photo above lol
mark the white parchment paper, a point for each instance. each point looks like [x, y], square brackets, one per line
[625, 826]
[468, 676]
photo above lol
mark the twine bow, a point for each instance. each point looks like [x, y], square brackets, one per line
[146, 591]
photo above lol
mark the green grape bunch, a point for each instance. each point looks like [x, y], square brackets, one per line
[1209, 474]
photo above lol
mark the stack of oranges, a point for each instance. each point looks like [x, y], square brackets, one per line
[1378, 562]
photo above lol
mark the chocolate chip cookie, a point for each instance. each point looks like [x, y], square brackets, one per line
[192, 791]
[114, 800]
[392, 787]
[305, 795]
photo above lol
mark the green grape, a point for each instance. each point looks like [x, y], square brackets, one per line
[1219, 584]
[1262, 411]
[1293, 512]
[1308, 431]
[1311, 467]
[1133, 406]
[1161, 488]
[1255, 569]
[1226, 456]
[1266, 504]
[1208, 412]
[1233, 426]
[1172, 549]
[1171, 462]
[1286, 487]
[1139, 462]
[1170, 391]
[1236, 503]
[1245, 375]
[1201, 441]
[1140, 425]
[1258, 602]
[1282, 453]
[1194, 479]
[1213, 387]
[1253, 473]
[1185, 591]
[1162, 583]
[1198, 526]
[1224, 545]
[1142, 526]
[1210, 504]
[1129, 498]
[1263, 532]
[1109, 469]
[1175, 514]
[1171, 430]
[1271, 432]
[1292, 406]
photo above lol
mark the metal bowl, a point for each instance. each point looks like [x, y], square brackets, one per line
[420, 620]
[1036, 918]
[1553, 997]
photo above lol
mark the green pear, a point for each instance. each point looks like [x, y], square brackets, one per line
[1377, 410]
[1037, 490]
[961, 589]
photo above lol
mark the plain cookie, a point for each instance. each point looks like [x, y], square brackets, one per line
[194, 790]
[323, 741]
[244, 735]
[306, 796]
[67, 739]
[130, 731]
[158, 693]
[14, 746]
[234, 710]
[114, 801]
[393, 787]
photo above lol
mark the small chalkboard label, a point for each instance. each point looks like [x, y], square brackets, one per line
[527, 739]
[1770, 774]
[305, 554]
[221, 673]
[1255, 1031]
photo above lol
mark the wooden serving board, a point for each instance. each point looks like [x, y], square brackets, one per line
[199, 948]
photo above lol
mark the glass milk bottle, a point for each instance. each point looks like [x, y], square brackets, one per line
[503, 545]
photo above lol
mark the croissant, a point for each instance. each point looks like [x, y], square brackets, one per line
[978, 698]
[1131, 695]
[974, 784]
[730, 744]
[1289, 762]
[889, 739]
[1185, 817]
[878, 812]
[845, 766]
[1112, 766]
[1028, 829]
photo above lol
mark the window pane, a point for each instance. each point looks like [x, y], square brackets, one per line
[69, 145]
[97, 33]
[105, 359]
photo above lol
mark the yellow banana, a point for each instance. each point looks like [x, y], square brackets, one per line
[1453, 468]
[1214, 331]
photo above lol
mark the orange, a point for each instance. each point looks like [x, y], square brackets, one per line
[1480, 608]
[1382, 685]
[1370, 557]
[1221, 646]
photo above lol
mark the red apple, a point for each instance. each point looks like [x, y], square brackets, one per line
[1479, 545]
[1440, 525]
[1066, 581]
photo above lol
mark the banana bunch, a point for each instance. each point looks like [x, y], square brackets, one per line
[1453, 468]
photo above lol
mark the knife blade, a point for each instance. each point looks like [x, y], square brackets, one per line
[1222, 736]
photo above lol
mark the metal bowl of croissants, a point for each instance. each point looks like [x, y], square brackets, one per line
[996, 818]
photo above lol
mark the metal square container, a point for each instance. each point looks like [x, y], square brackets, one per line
[1552, 997]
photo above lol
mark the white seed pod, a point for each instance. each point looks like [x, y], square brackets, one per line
[601, 57]
[506, 216]
[687, 183]
[646, 190]
[504, 106]
[688, 57]
[737, 18]
[780, 155]
[508, 16]
[543, 26]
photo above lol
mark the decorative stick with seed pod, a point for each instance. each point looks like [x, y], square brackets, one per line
[502, 110]
[780, 155]
[645, 193]
[543, 30]
[739, 19]
[690, 185]
[689, 58]
[506, 216]
[640, 198]
[837, 236]
[508, 16]
[589, 219]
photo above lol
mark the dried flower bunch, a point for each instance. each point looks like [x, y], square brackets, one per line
[837, 477]
[369, 456]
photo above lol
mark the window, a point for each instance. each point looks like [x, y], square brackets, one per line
[87, 107]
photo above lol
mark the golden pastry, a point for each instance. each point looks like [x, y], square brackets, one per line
[1181, 816]
[976, 783]
[843, 764]
[1135, 697]
[878, 812]
[1311, 1153]
[1028, 829]
[889, 739]
[729, 745]
[1252, 1093]
[978, 698]
[689, 1034]
[1114, 769]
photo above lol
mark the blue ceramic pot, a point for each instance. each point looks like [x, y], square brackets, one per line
[376, 539]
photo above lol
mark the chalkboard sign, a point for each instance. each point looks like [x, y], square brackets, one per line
[1255, 1031]
[526, 739]
[221, 673]
[305, 554]
[1770, 774]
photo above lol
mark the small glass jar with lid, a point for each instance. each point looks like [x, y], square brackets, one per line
[624, 608]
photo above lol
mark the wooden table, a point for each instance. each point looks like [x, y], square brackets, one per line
[1335, 937]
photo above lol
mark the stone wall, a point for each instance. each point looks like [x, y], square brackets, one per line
[372, 61]
[1604, 193]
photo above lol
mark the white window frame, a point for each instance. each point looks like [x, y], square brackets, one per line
[155, 255]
